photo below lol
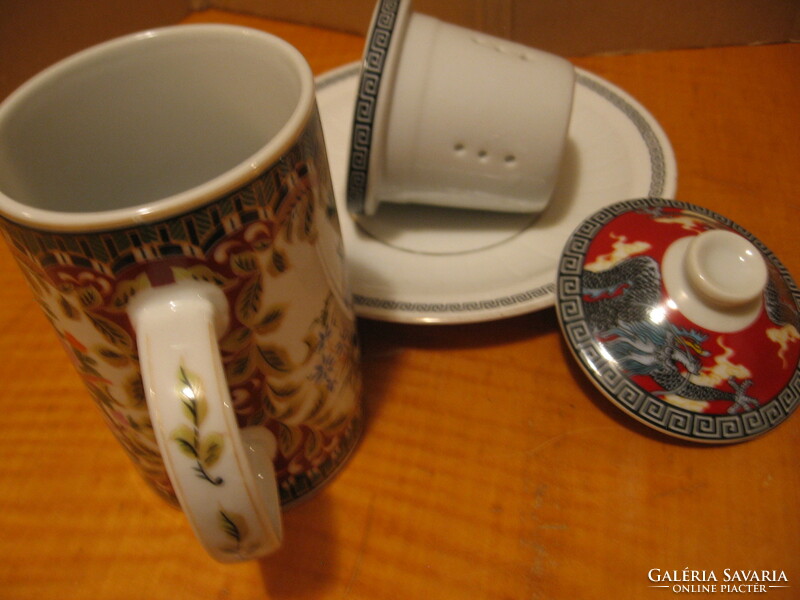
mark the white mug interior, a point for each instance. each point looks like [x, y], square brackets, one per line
[169, 116]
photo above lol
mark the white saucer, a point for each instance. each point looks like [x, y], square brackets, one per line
[416, 264]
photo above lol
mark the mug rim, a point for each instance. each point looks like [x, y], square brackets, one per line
[186, 200]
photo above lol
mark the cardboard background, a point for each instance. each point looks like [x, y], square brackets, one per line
[571, 27]
[36, 33]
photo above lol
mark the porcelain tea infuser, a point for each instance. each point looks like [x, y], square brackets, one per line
[683, 319]
[448, 116]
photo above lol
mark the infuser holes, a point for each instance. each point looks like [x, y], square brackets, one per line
[483, 155]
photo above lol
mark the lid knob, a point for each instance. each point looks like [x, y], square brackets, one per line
[725, 269]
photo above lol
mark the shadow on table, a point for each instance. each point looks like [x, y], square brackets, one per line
[307, 563]
[380, 337]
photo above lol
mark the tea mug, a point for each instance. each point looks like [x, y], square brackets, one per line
[168, 198]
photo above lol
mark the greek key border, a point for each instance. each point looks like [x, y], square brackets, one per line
[455, 307]
[375, 56]
[656, 152]
[622, 391]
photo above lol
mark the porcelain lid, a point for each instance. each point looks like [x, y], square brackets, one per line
[682, 319]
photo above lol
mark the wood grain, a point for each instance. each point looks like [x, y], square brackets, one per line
[489, 467]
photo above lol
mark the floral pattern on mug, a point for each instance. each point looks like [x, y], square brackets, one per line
[290, 352]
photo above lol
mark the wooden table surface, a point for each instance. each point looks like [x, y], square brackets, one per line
[489, 468]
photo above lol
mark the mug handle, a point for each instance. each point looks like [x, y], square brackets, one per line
[222, 475]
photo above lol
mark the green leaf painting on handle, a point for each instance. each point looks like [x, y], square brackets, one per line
[235, 528]
[204, 448]
[233, 525]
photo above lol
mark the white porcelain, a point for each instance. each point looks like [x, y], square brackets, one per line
[422, 264]
[717, 279]
[177, 328]
[452, 117]
[726, 269]
[168, 197]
